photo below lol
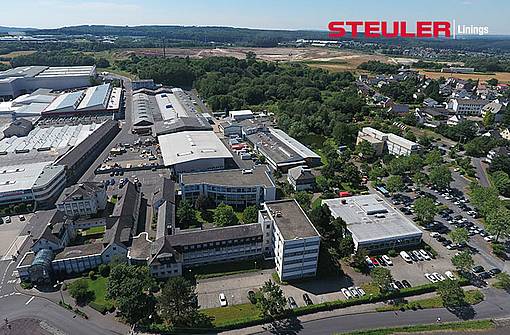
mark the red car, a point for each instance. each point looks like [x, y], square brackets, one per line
[374, 261]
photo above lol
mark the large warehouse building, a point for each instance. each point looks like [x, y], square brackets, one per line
[194, 151]
[373, 223]
[26, 79]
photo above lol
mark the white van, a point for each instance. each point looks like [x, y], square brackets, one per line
[406, 257]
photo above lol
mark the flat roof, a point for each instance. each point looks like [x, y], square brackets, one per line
[273, 148]
[188, 146]
[215, 234]
[291, 219]
[257, 176]
[20, 177]
[370, 219]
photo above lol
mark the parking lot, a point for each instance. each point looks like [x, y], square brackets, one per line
[10, 241]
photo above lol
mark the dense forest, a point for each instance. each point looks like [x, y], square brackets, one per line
[58, 58]
[379, 67]
[306, 101]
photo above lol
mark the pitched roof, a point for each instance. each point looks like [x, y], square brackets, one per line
[300, 173]
[80, 191]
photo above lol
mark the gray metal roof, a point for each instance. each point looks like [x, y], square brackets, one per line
[370, 219]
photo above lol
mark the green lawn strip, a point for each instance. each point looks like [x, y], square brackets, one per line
[473, 297]
[94, 230]
[235, 313]
[225, 269]
[455, 326]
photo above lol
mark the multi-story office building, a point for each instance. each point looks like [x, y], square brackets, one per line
[239, 188]
[471, 107]
[381, 142]
[291, 238]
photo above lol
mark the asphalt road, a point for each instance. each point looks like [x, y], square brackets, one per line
[496, 305]
[481, 172]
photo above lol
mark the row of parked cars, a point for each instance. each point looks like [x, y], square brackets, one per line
[416, 255]
[437, 277]
[374, 261]
[8, 219]
[353, 292]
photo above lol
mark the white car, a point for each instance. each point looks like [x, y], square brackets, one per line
[361, 291]
[488, 238]
[431, 278]
[223, 300]
[406, 257]
[450, 275]
[387, 259]
[347, 294]
[417, 255]
[439, 276]
[7, 219]
[354, 291]
[369, 262]
[424, 254]
[435, 234]
[22, 218]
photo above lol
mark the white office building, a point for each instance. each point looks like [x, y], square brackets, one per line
[472, 107]
[291, 238]
[83, 199]
[393, 144]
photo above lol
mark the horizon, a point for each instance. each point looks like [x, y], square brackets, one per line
[285, 14]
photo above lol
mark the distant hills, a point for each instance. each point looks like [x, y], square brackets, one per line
[5, 30]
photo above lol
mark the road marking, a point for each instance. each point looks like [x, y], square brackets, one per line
[29, 301]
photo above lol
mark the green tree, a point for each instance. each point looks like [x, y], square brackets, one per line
[420, 178]
[440, 176]
[303, 198]
[177, 303]
[186, 215]
[459, 235]
[463, 261]
[135, 305]
[365, 150]
[488, 120]
[497, 222]
[501, 181]
[224, 216]
[502, 281]
[485, 199]
[79, 290]
[358, 259]
[395, 184]
[250, 214]
[434, 157]
[271, 300]
[382, 277]
[452, 295]
[123, 276]
[425, 209]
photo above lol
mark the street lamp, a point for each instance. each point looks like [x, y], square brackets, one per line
[60, 289]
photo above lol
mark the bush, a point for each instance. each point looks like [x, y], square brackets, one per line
[499, 250]
[392, 253]
[92, 275]
[104, 270]
[26, 285]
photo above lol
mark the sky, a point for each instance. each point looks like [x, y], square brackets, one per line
[268, 14]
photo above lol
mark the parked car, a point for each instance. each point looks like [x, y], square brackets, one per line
[450, 275]
[374, 261]
[22, 218]
[223, 300]
[361, 291]
[387, 259]
[478, 269]
[439, 276]
[424, 254]
[431, 278]
[406, 257]
[418, 255]
[406, 283]
[354, 291]
[485, 275]
[292, 302]
[307, 299]
[347, 294]
[252, 297]
[399, 285]
[494, 271]
[7, 219]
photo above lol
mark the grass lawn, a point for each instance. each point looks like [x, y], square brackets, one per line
[225, 315]
[93, 230]
[370, 288]
[473, 297]
[98, 285]
[457, 326]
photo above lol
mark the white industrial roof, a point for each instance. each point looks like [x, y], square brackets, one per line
[188, 146]
[371, 219]
[20, 177]
[301, 149]
[244, 112]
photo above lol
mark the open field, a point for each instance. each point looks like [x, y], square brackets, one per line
[501, 76]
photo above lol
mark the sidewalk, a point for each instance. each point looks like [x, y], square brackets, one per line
[360, 309]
